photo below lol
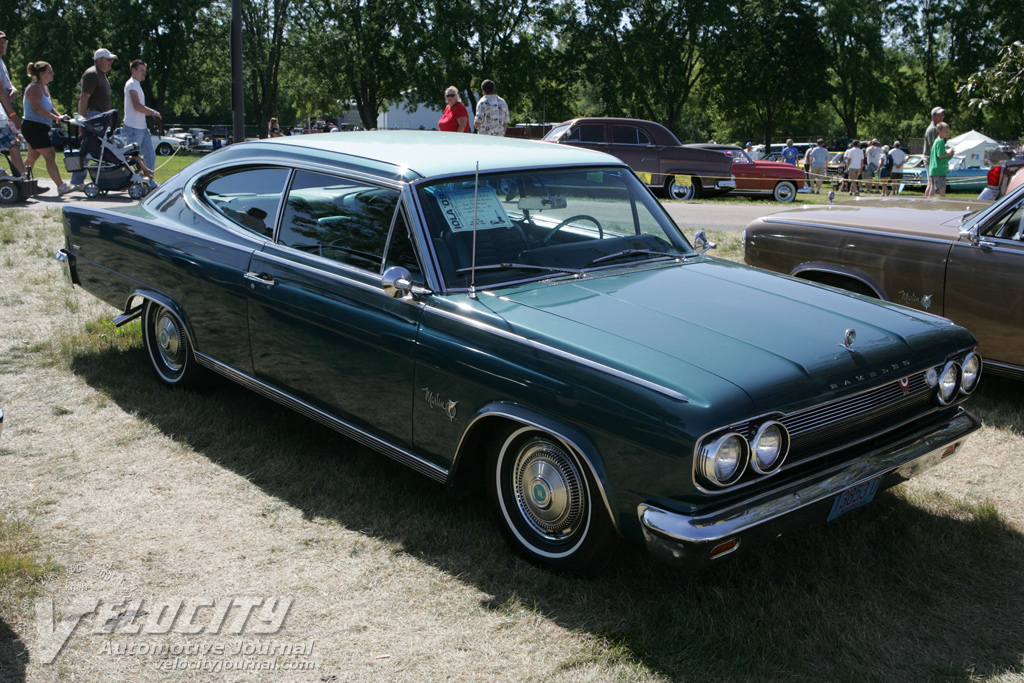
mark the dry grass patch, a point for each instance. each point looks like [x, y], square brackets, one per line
[140, 491]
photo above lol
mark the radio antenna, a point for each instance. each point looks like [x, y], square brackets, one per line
[472, 268]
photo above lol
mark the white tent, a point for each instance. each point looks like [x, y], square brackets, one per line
[972, 146]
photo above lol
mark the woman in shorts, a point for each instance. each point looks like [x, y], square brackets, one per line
[38, 120]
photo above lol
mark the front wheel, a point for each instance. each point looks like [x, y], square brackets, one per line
[164, 149]
[547, 504]
[785, 191]
[136, 191]
[675, 190]
[168, 347]
[91, 190]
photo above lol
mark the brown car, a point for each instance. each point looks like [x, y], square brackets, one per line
[654, 154]
[960, 259]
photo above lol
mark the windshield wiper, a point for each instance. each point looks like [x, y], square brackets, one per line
[523, 266]
[634, 252]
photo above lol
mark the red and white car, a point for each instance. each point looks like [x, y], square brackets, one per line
[760, 178]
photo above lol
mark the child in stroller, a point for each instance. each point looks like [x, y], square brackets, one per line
[111, 165]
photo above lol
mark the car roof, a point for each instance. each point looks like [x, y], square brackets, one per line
[433, 153]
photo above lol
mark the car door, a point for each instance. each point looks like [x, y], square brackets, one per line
[635, 147]
[985, 285]
[322, 327]
[587, 136]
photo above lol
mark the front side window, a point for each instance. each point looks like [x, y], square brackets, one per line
[541, 223]
[250, 198]
[337, 218]
[586, 133]
[1007, 226]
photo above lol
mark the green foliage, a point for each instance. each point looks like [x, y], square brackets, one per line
[741, 69]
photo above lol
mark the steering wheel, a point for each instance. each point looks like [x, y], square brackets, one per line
[570, 219]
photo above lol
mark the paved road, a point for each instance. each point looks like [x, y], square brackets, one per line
[708, 215]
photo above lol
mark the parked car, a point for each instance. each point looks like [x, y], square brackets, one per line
[527, 316]
[652, 151]
[959, 178]
[760, 178]
[960, 259]
[1006, 177]
[165, 145]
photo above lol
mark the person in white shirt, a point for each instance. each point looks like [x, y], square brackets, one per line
[899, 157]
[872, 161]
[854, 164]
[135, 113]
[819, 164]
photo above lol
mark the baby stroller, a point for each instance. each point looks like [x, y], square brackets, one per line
[111, 166]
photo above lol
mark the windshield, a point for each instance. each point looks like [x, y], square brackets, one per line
[536, 224]
[557, 131]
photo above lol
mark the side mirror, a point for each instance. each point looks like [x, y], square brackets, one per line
[970, 234]
[397, 282]
[702, 244]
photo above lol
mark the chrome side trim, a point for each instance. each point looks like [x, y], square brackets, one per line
[1003, 369]
[412, 461]
[565, 355]
[844, 228]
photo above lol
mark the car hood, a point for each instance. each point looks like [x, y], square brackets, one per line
[697, 326]
[933, 218]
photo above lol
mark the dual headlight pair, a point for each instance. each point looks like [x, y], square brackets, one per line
[723, 459]
[955, 378]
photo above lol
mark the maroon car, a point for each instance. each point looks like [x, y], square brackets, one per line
[760, 178]
[654, 154]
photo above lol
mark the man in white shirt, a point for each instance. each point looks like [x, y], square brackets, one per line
[491, 112]
[899, 157]
[872, 158]
[854, 163]
[135, 113]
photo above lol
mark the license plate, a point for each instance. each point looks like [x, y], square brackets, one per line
[854, 497]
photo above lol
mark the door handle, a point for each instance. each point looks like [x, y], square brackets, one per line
[260, 279]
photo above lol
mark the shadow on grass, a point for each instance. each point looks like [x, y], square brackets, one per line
[13, 655]
[899, 590]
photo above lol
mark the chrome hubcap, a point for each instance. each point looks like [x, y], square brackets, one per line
[548, 490]
[168, 338]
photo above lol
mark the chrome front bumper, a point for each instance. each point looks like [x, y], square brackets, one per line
[683, 539]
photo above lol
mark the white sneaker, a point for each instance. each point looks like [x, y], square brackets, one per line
[64, 189]
[77, 187]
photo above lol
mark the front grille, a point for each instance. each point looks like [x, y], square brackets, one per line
[832, 425]
[824, 429]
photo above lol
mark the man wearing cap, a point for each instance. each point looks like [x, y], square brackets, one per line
[898, 158]
[95, 97]
[930, 133]
[9, 120]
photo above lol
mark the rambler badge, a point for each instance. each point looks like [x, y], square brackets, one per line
[449, 407]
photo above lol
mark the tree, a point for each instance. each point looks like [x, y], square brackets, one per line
[634, 74]
[1002, 83]
[265, 23]
[852, 40]
[772, 61]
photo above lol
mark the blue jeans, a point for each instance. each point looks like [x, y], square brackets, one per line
[145, 142]
[78, 177]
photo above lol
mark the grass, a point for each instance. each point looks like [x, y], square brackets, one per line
[154, 492]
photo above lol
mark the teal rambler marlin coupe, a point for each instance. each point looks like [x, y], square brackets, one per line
[530, 310]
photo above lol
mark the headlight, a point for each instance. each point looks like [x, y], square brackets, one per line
[949, 382]
[723, 460]
[971, 373]
[769, 448]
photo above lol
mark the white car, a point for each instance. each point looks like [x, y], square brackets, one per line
[165, 145]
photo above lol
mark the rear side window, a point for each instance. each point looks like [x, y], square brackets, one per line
[338, 218]
[250, 198]
[587, 133]
[629, 135]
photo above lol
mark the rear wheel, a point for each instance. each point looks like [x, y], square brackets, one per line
[136, 191]
[785, 191]
[8, 192]
[91, 190]
[168, 346]
[674, 190]
[547, 504]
